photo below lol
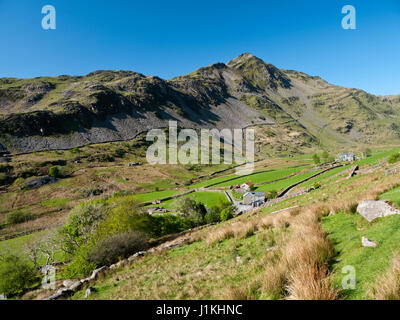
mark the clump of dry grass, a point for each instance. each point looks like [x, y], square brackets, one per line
[246, 228]
[310, 282]
[302, 272]
[248, 292]
[387, 286]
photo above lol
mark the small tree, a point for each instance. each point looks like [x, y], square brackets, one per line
[15, 275]
[227, 213]
[316, 159]
[394, 158]
[367, 152]
[325, 156]
[54, 172]
[82, 221]
[193, 211]
[273, 194]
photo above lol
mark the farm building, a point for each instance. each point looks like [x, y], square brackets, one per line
[348, 156]
[246, 186]
[254, 199]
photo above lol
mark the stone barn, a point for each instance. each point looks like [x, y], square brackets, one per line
[254, 199]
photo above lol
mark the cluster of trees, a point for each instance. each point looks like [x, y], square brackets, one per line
[100, 233]
[20, 272]
[325, 157]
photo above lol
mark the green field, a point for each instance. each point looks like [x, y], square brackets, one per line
[377, 157]
[346, 231]
[392, 195]
[209, 199]
[281, 185]
[17, 246]
[263, 176]
[325, 176]
[151, 196]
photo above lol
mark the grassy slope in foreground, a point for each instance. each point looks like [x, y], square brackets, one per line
[346, 231]
[213, 271]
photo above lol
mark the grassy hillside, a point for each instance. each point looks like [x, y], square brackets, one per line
[263, 255]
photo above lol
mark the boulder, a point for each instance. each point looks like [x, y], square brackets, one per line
[76, 286]
[372, 210]
[67, 283]
[37, 182]
[96, 273]
[367, 243]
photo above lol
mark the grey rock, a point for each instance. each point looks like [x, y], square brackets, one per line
[372, 210]
[367, 243]
[96, 273]
[37, 182]
[76, 286]
[54, 296]
[67, 283]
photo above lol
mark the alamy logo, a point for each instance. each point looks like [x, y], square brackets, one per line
[349, 21]
[49, 20]
[349, 280]
[49, 279]
[187, 148]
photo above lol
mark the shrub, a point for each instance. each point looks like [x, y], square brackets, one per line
[273, 194]
[316, 185]
[118, 246]
[194, 212]
[15, 275]
[54, 172]
[81, 223]
[168, 224]
[80, 265]
[213, 215]
[394, 158]
[227, 213]
[316, 159]
[16, 217]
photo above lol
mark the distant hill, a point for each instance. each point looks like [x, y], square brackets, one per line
[290, 109]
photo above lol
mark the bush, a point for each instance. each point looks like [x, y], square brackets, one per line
[81, 223]
[194, 212]
[118, 246]
[213, 215]
[227, 213]
[16, 217]
[54, 172]
[168, 224]
[394, 158]
[80, 265]
[273, 194]
[316, 159]
[316, 185]
[15, 275]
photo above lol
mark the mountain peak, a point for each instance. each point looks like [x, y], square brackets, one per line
[243, 59]
[259, 73]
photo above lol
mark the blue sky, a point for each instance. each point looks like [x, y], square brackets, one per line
[170, 38]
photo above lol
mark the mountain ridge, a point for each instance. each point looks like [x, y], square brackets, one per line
[103, 106]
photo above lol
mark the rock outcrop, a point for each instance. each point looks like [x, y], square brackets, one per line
[372, 210]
